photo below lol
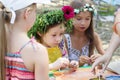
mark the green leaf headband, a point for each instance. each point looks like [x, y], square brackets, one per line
[53, 17]
[87, 7]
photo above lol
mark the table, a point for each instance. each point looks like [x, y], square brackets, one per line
[83, 73]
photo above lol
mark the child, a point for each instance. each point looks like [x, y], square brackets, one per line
[48, 30]
[21, 61]
[82, 40]
[114, 44]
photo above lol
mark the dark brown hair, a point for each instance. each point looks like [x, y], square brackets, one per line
[76, 4]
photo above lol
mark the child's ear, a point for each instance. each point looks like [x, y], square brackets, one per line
[27, 12]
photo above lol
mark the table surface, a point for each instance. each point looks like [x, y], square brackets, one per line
[83, 73]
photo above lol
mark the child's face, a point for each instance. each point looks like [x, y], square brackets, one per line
[54, 36]
[82, 21]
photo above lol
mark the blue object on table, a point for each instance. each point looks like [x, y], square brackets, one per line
[85, 66]
[113, 77]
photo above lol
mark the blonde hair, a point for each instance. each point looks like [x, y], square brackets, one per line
[4, 18]
[3, 44]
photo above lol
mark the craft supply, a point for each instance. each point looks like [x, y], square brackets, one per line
[113, 77]
[98, 78]
[58, 73]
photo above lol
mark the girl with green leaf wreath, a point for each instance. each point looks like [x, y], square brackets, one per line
[49, 29]
[82, 40]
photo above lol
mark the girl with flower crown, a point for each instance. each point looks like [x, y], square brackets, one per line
[49, 29]
[82, 40]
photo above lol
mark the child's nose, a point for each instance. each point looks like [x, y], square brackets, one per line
[58, 39]
[83, 22]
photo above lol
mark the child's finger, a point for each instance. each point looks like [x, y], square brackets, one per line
[64, 65]
[94, 65]
[94, 57]
[85, 59]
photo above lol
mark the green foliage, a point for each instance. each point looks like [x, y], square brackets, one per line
[69, 26]
[49, 18]
[108, 10]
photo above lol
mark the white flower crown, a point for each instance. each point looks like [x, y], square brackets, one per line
[87, 7]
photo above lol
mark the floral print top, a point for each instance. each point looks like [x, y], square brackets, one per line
[73, 53]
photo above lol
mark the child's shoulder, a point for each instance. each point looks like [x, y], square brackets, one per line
[34, 48]
[96, 35]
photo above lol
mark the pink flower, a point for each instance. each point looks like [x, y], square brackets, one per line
[68, 12]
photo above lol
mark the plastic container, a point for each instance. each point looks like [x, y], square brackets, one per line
[113, 77]
[51, 76]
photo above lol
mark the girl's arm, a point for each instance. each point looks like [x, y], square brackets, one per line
[114, 44]
[41, 64]
[59, 63]
[98, 44]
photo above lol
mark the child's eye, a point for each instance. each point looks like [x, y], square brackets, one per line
[54, 35]
[78, 18]
[87, 18]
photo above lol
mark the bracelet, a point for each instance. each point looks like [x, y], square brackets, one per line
[114, 27]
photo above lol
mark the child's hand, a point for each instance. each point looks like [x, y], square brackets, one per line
[65, 62]
[84, 59]
[61, 62]
[74, 65]
[98, 63]
[94, 57]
